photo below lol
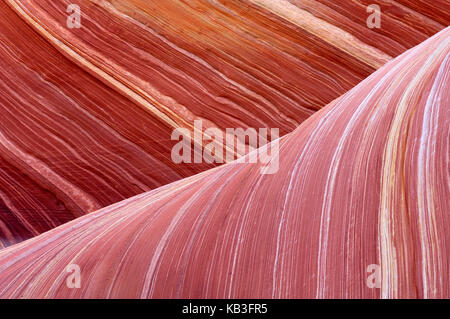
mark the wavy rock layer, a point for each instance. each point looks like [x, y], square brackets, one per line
[69, 144]
[256, 63]
[378, 195]
[87, 113]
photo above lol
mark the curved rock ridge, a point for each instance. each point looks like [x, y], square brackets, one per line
[363, 183]
[87, 113]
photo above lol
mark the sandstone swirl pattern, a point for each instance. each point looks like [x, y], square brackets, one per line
[87, 113]
[363, 181]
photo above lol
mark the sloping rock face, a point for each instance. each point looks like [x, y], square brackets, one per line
[362, 184]
[87, 114]
[69, 144]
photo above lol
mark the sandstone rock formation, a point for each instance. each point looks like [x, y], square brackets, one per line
[364, 181]
[87, 113]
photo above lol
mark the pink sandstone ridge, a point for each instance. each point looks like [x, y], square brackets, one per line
[87, 114]
[364, 181]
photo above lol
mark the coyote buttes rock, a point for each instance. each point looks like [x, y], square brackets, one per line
[87, 113]
[362, 182]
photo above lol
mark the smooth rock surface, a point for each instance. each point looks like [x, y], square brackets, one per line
[87, 113]
[362, 182]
